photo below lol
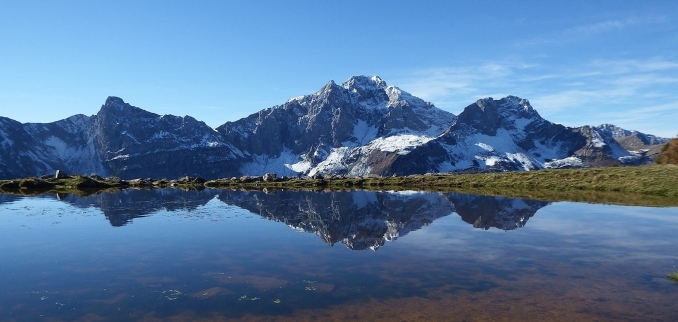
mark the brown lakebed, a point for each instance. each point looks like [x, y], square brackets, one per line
[169, 254]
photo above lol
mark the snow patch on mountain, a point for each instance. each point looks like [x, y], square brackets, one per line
[286, 164]
[477, 150]
[61, 149]
[356, 83]
[596, 139]
[127, 134]
[160, 135]
[334, 163]
[569, 162]
[121, 157]
[485, 147]
[401, 144]
[493, 149]
[363, 132]
[407, 193]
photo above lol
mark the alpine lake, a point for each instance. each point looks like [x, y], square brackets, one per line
[252, 255]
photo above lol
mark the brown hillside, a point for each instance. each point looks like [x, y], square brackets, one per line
[669, 153]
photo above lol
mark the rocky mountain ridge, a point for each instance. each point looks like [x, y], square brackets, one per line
[360, 127]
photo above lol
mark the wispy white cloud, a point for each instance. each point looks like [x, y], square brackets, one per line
[450, 86]
[635, 66]
[633, 93]
[594, 29]
[601, 27]
[613, 25]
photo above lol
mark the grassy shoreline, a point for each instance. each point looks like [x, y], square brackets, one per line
[659, 180]
[655, 185]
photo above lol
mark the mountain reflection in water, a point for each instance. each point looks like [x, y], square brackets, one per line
[358, 219]
[216, 255]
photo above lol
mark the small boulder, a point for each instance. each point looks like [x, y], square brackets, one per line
[247, 179]
[60, 174]
[269, 177]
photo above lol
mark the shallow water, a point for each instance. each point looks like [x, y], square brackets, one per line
[178, 255]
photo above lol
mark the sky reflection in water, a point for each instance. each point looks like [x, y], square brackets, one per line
[219, 254]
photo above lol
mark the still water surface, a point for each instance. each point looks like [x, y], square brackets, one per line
[151, 255]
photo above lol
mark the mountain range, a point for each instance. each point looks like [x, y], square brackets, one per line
[360, 127]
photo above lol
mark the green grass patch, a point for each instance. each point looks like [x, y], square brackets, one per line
[673, 276]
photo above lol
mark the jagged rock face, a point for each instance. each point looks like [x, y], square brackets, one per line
[619, 133]
[33, 149]
[72, 142]
[645, 147]
[600, 149]
[508, 134]
[358, 128]
[16, 157]
[337, 130]
[121, 140]
[136, 143]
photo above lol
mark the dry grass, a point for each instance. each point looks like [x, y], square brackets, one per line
[660, 180]
[669, 153]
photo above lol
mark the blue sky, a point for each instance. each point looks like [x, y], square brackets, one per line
[578, 62]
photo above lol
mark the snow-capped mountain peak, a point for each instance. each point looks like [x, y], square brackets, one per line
[517, 103]
[395, 95]
[506, 106]
[364, 83]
